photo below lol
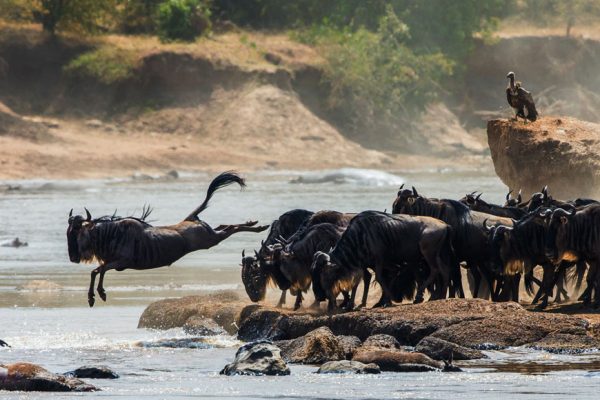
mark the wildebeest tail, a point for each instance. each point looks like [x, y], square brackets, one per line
[224, 179]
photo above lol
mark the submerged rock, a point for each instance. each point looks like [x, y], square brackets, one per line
[180, 343]
[257, 358]
[316, 347]
[93, 372]
[566, 343]
[401, 361]
[440, 349]
[33, 378]
[15, 243]
[201, 326]
[348, 367]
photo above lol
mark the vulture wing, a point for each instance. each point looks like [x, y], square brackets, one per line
[526, 99]
[509, 97]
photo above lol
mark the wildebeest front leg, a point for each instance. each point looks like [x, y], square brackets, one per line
[281, 299]
[299, 299]
[91, 296]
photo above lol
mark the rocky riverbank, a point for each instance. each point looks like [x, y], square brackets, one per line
[462, 327]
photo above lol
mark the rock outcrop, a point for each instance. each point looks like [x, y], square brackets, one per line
[257, 358]
[470, 323]
[28, 377]
[563, 153]
[223, 308]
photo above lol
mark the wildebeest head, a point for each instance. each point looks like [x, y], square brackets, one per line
[254, 276]
[321, 262]
[75, 240]
[539, 199]
[501, 251]
[472, 200]
[513, 201]
[405, 197]
[556, 237]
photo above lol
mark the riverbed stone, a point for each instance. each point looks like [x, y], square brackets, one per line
[257, 358]
[316, 347]
[349, 343]
[29, 377]
[93, 372]
[348, 367]
[440, 349]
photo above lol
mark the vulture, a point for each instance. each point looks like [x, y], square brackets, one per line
[520, 99]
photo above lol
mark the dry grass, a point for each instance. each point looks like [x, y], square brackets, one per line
[516, 28]
[243, 49]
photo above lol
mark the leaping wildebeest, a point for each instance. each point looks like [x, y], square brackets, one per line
[132, 243]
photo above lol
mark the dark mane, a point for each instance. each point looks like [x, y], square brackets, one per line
[146, 211]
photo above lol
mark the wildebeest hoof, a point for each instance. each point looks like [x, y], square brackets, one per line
[102, 294]
[418, 300]
[91, 301]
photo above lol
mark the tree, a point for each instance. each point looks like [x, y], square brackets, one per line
[78, 15]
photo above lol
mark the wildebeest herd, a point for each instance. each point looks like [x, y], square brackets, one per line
[422, 246]
[415, 252]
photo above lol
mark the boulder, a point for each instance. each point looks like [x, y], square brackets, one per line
[257, 358]
[316, 347]
[348, 367]
[565, 343]
[381, 341]
[401, 361]
[440, 349]
[201, 326]
[92, 372]
[15, 243]
[349, 344]
[28, 377]
[222, 307]
[563, 153]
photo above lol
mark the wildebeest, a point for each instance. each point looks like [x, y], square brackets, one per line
[386, 243]
[259, 269]
[476, 203]
[513, 201]
[470, 237]
[575, 236]
[132, 243]
[295, 259]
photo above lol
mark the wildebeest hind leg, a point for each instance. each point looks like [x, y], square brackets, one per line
[298, 302]
[367, 281]
[281, 299]
[103, 269]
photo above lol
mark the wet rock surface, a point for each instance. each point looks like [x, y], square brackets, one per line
[562, 153]
[257, 358]
[440, 349]
[223, 308]
[316, 347]
[33, 378]
[348, 367]
[93, 372]
[470, 323]
[201, 326]
[398, 360]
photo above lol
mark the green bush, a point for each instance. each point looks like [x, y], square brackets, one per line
[183, 19]
[375, 77]
[105, 64]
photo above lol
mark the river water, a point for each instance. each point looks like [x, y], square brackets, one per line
[56, 329]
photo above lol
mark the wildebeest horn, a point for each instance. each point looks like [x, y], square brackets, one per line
[71, 213]
[401, 187]
[282, 239]
[88, 215]
[508, 195]
[256, 253]
[243, 253]
[478, 196]
[415, 191]
[563, 212]
[262, 243]
[485, 225]
[519, 198]
[544, 212]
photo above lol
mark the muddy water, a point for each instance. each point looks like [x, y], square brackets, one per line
[55, 328]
